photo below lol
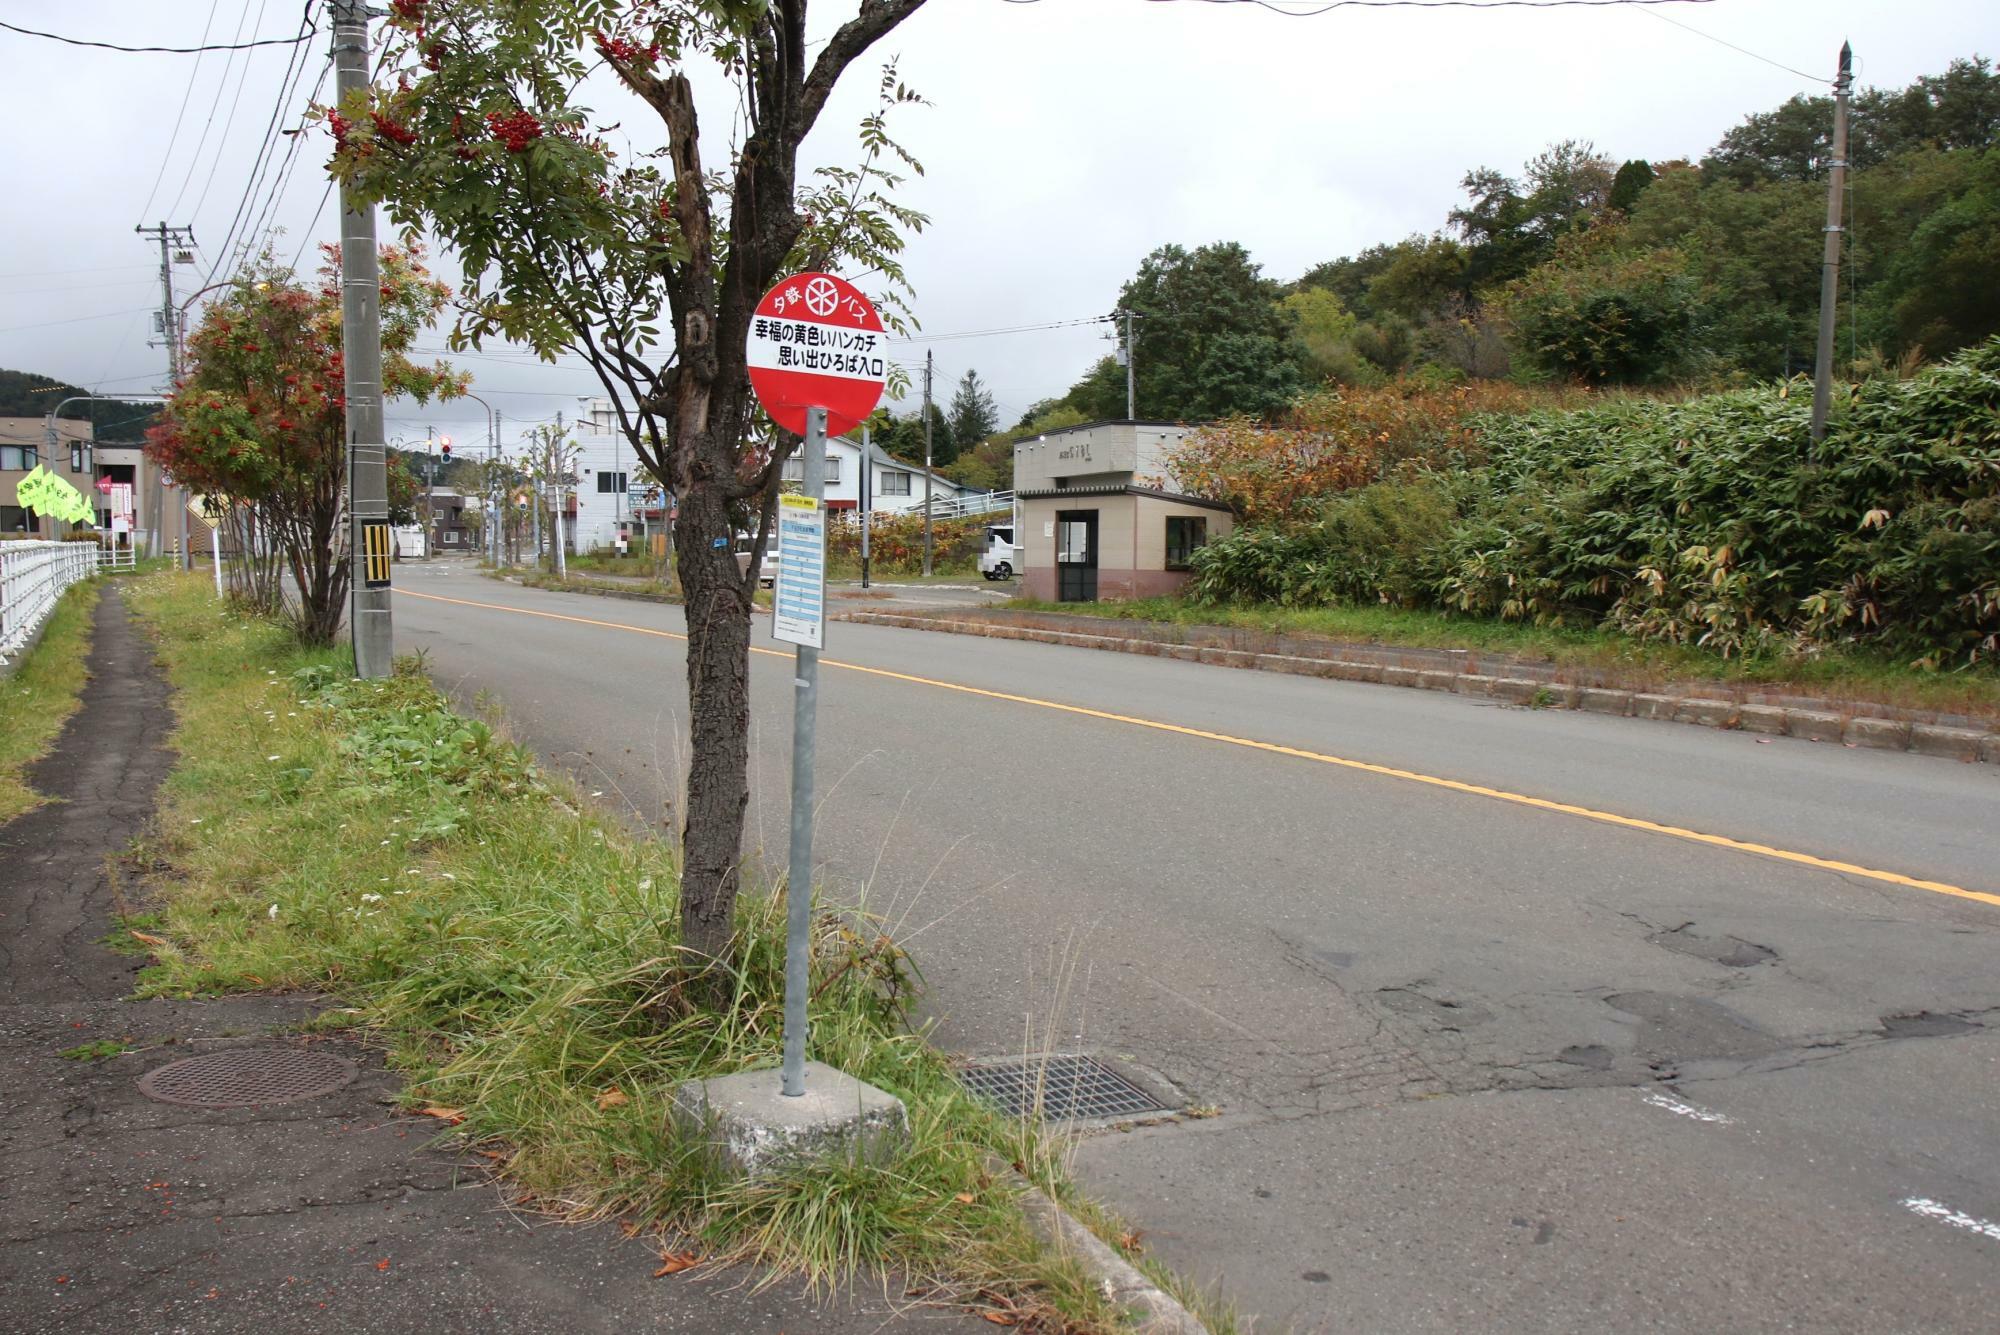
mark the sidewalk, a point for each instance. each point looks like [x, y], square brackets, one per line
[326, 1214]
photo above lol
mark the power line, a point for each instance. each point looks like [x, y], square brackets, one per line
[294, 71]
[174, 137]
[165, 50]
[1011, 329]
[266, 223]
[1709, 36]
[1277, 7]
[80, 319]
[221, 86]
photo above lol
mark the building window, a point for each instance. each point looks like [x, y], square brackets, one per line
[13, 519]
[1184, 534]
[795, 470]
[895, 483]
[79, 456]
[19, 458]
[611, 482]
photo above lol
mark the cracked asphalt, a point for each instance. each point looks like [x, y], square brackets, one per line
[1463, 1063]
[119, 1213]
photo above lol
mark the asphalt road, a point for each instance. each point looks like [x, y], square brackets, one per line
[1482, 1052]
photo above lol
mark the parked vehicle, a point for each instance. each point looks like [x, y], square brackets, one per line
[1001, 557]
[767, 573]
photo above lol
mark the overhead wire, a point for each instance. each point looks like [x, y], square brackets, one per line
[229, 122]
[266, 224]
[991, 333]
[174, 135]
[221, 86]
[1277, 6]
[164, 50]
[305, 241]
[1744, 50]
[294, 72]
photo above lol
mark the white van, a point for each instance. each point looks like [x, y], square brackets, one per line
[1001, 557]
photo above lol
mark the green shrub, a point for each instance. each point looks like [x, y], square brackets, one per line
[1711, 522]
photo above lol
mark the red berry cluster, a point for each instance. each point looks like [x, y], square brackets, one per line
[626, 51]
[392, 129]
[434, 53]
[340, 125]
[516, 131]
[408, 11]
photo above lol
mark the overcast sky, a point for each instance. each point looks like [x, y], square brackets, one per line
[1064, 140]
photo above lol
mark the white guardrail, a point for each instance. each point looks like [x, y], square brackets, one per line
[33, 576]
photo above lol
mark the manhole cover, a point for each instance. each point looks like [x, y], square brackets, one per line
[1057, 1088]
[246, 1077]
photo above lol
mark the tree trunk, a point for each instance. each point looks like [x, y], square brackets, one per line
[717, 600]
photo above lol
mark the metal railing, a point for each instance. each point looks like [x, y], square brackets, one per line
[964, 507]
[33, 576]
[118, 558]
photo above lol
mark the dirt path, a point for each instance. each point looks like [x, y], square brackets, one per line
[330, 1213]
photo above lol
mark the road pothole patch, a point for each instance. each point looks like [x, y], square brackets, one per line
[1732, 951]
[1926, 1024]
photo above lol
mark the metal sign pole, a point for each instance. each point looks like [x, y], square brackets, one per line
[798, 883]
[867, 501]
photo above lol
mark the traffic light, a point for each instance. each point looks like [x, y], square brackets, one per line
[447, 449]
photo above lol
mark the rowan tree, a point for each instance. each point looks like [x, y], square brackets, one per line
[624, 235]
[259, 413]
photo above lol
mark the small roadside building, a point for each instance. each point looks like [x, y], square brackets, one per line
[1097, 519]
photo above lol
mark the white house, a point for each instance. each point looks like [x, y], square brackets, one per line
[610, 489]
[893, 486]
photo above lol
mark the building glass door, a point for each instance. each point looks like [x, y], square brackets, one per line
[1076, 556]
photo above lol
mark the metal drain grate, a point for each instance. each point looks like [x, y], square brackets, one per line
[1060, 1088]
[247, 1077]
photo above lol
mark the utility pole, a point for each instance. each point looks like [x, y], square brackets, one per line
[361, 348]
[170, 333]
[1829, 274]
[556, 467]
[928, 358]
[430, 484]
[1131, 394]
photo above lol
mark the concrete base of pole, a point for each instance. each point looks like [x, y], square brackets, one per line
[756, 1130]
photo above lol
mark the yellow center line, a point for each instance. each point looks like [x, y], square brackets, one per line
[1274, 748]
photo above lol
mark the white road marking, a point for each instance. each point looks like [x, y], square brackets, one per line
[1944, 1214]
[1674, 1105]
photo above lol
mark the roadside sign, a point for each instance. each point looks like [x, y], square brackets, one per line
[798, 595]
[104, 484]
[816, 342]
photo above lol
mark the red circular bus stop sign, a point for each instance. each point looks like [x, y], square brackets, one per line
[816, 342]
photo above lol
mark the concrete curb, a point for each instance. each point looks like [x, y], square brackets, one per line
[1448, 673]
[1153, 1311]
[629, 595]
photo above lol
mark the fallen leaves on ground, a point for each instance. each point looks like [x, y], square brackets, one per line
[449, 1116]
[612, 1098]
[672, 1263]
[147, 938]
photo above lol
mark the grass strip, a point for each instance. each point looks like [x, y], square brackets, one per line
[515, 956]
[38, 697]
[1837, 676]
